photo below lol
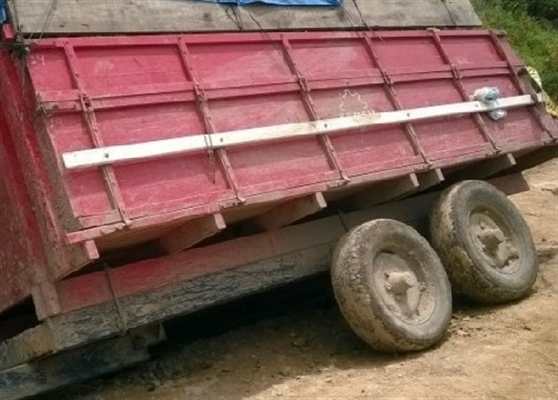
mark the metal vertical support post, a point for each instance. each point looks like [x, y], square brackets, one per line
[115, 194]
[461, 89]
[388, 86]
[311, 109]
[203, 109]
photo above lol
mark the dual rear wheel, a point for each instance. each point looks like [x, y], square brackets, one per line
[394, 288]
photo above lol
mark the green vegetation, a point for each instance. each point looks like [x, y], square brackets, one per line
[545, 11]
[532, 27]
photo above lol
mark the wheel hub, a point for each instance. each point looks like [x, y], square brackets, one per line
[492, 241]
[400, 288]
[399, 282]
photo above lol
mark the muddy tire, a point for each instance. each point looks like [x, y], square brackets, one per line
[391, 286]
[484, 243]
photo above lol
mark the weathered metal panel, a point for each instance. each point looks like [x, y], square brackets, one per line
[114, 91]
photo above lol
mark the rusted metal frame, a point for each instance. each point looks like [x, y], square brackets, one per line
[88, 112]
[461, 89]
[517, 81]
[325, 141]
[409, 130]
[203, 109]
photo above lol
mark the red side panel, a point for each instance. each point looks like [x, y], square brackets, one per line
[100, 91]
[21, 257]
[122, 90]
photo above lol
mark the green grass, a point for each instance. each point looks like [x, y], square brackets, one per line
[535, 42]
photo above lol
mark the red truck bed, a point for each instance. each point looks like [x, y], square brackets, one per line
[106, 91]
[83, 93]
[62, 227]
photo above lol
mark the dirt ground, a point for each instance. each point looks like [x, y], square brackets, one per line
[506, 352]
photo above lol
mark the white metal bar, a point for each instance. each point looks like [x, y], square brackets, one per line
[188, 144]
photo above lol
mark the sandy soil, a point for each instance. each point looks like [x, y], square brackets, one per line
[506, 352]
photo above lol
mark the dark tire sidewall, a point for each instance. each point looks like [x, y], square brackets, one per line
[523, 278]
[468, 270]
[368, 307]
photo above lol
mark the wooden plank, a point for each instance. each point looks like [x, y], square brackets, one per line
[462, 13]
[484, 169]
[385, 191]
[156, 16]
[98, 16]
[196, 143]
[74, 366]
[292, 211]
[430, 178]
[192, 232]
[352, 14]
[33, 343]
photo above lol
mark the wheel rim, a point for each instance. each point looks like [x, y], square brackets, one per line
[495, 240]
[404, 286]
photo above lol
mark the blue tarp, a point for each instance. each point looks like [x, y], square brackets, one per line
[281, 2]
[2, 11]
